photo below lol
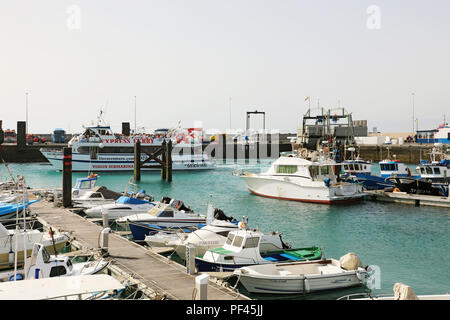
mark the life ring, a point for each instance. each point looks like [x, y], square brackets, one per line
[180, 137]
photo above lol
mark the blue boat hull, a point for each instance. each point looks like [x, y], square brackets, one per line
[141, 230]
[9, 209]
[370, 182]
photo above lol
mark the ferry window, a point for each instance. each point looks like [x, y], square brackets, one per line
[57, 271]
[422, 170]
[251, 243]
[238, 241]
[324, 170]
[429, 171]
[230, 238]
[436, 171]
[286, 169]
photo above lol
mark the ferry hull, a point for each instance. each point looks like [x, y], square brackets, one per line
[279, 189]
[119, 162]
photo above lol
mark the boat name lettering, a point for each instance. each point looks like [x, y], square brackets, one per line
[147, 140]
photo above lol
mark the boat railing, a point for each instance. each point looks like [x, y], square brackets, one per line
[363, 295]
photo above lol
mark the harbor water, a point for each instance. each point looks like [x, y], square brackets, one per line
[408, 244]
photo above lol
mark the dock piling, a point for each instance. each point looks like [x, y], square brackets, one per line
[67, 177]
[164, 161]
[137, 161]
[169, 161]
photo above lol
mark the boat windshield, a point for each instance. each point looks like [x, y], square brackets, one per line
[287, 169]
[251, 242]
[230, 238]
[238, 241]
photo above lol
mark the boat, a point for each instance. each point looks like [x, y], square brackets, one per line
[401, 292]
[243, 248]
[98, 149]
[124, 206]
[419, 186]
[437, 170]
[83, 287]
[87, 195]
[299, 277]
[360, 171]
[173, 216]
[43, 265]
[295, 178]
[10, 209]
[208, 237]
[18, 239]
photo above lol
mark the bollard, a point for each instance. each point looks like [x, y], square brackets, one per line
[201, 286]
[137, 161]
[105, 218]
[190, 259]
[104, 240]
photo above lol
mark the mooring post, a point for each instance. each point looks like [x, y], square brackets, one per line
[169, 161]
[137, 161]
[21, 135]
[67, 177]
[164, 161]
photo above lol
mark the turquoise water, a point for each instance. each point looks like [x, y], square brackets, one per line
[408, 244]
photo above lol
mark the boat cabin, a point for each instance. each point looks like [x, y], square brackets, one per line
[84, 184]
[356, 166]
[44, 265]
[394, 167]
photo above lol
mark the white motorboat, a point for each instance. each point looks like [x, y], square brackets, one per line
[122, 207]
[43, 265]
[295, 178]
[299, 277]
[162, 216]
[251, 247]
[209, 237]
[12, 239]
[98, 148]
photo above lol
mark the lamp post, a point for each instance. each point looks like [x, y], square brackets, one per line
[413, 94]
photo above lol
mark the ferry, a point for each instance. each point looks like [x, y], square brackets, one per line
[98, 148]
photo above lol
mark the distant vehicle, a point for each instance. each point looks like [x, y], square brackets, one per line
[59, 136]
[33, 138]
[10, 136]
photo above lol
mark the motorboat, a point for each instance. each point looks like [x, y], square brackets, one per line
[437, 169]
[122, 207]
[295, 178]
[86, 194]
[20, 238]
[43, 265]
[99, 149]
[163, 217]
[419, 186]
[360, 171]
[243, 248]
[10, 209]
[208, 237]
[299, 277]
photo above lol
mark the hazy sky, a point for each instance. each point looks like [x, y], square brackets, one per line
[184, 59]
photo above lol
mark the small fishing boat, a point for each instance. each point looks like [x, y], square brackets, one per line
[437, 170]
[360, 171]
[294, 178]
[299, 277]
[43, 265]
[243, 248]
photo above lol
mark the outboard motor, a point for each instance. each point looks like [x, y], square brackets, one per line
[166, 200]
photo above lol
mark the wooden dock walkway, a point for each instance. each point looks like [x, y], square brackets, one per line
[412, 199]
[160, 274]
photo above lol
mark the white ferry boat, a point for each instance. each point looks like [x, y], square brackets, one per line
[299, 179]
[98, 148]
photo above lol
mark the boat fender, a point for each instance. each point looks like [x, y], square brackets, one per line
[359, 275]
